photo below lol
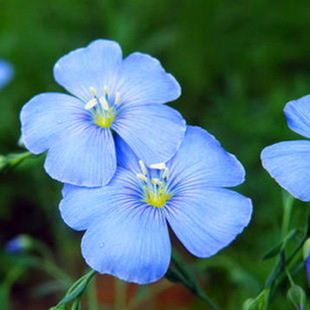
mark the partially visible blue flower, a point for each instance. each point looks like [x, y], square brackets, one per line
[306, 257]
[127, 220]
[110, 94]
[289, 162]
[6, 73]
[18, 244]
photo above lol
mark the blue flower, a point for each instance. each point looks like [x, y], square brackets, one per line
[127, 220]
[125, 96]
[6, 73]
[289, 162]
[18, 244]
[306, 257]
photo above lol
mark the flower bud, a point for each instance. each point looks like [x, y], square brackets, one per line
[19, 244]
[297, 296]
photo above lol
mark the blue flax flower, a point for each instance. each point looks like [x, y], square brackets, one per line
[125, 96]
[127, 220]
[6, 72]
[288, 162]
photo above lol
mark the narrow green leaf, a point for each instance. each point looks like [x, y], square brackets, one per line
[75, 291]
[276, 249]
[13, 159]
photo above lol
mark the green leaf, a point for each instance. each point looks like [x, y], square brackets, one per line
[75, 291]
[13, 159]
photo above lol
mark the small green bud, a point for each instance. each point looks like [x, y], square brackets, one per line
[297, 296]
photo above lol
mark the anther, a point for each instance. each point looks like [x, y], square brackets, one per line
[93, 91]
[90, 104]
[160, 166]
[142, 177]
[104, 103]
[117, 98]
[165, 173]
[142, 166]
[106, 90]
[157, 182]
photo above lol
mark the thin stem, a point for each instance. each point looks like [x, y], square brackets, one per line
[288, 202]
[190, 282]
[138, 301]
[92, 296]
[289, 277]
[120, 294]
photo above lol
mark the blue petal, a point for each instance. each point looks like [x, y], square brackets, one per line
[84, 157]
[6, 73]
[289, 164]
[130, 241]
[154, 132]
[207, 220]
[307, 264]
[126, 158]
[92, 66]
[297, 113]
[80, 206]
[202, 162]
[47, 117]
[142, 80]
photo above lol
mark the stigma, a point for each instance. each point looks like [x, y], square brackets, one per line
[103, 108]
[155, 192]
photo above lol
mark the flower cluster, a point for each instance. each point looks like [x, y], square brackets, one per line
[131, 165]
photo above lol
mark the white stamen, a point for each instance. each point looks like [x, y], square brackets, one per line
[106, 90]
[160, 166]
[157, 182]
[104, 103]
[90, 104]
[93, 91]
[165, 173]
[142, 166]
[117, 98]
[142, 177]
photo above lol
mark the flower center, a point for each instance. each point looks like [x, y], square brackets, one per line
[103, 109]
[155, 189]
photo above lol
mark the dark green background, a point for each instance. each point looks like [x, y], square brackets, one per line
[238, 63]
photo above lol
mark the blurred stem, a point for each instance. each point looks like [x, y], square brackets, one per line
[189, 281]
[120, 294]
[289, 277]
[156, 289]
[92, 296]
[288, 202]
[56, 272]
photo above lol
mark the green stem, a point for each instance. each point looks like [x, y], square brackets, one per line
[289, 277]
[120, 294]
[288, 202]
[92, 296]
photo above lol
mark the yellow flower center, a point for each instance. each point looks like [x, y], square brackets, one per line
[156, 198]
[103, 108]
[104, 120]
[155, 189]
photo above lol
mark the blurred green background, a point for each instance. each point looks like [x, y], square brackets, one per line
[238, 63]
